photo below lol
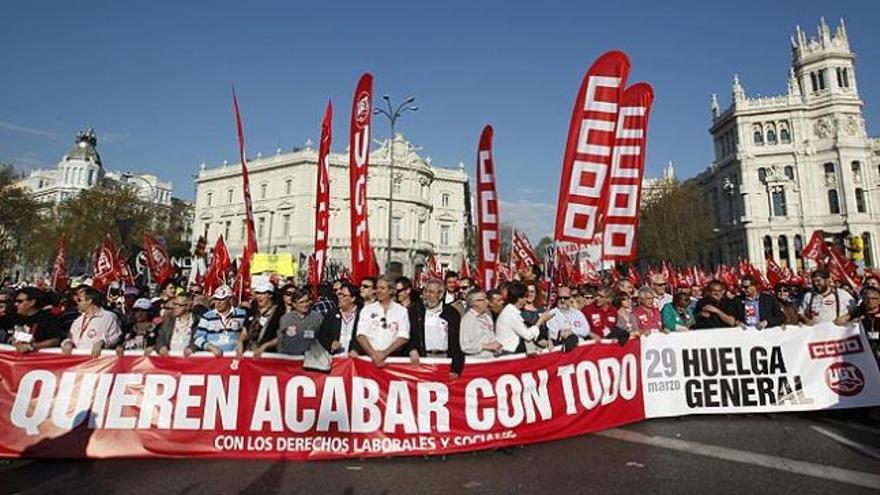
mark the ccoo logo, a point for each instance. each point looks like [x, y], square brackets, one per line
[844, 379]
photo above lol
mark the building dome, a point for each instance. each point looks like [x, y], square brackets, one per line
[85, 148]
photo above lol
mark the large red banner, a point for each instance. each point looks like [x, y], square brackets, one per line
[488, 221]
[322, 202]
[621, 208]
[359, 157]
[56, 406]
[587, 160]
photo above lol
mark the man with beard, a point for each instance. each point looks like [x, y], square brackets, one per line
[825, 302]
[439, 335]
[715, 310]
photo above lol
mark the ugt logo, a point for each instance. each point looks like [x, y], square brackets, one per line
[363, 107]
[844, 379]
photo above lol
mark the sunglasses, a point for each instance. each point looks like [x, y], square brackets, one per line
[290, 294]
[384, 322]
[564, 298]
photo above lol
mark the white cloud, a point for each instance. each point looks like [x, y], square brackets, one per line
[534, 218]
[28, 130]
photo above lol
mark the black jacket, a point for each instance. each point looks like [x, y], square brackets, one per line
[768, 310]
[453, 346]
[331, 330]
[254, 339]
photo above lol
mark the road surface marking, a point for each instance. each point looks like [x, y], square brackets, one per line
[862, 449]
[852, 425]
[768, 461]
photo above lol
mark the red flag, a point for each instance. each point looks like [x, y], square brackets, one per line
[620, 211]
[314, 279]
[123, 272]
[633, 276]
[220, 264]
[157, 259]
[251, 246]
[322, 202]
[843, 268]
[59, 268]
[489, 224]
[374, 264]
[362, 256]
[106, 266]
[775, 275]
[816, 249]
[521, 253]
[587, 159]
[434, 268]
[464, 271]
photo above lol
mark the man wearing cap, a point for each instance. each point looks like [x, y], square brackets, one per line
[221, 329]
[263, 328]
[141, 336]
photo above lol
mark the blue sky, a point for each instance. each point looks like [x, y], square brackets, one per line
[154, 77]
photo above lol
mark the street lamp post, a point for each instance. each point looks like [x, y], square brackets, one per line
[392, 114]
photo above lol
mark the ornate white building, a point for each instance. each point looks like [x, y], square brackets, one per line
[786, 166]
[81, 168]
[430, 208]
[654, 187]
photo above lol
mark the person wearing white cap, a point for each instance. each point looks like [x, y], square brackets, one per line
[221, 329]
[263, 328]
[142, 334]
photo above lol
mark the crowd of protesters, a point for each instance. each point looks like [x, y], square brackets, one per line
[384, 317]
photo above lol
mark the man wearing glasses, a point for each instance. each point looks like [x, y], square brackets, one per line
[383, 325]
[178, 328]
[477, 327]
[567, 320]
[35, 327]
[757, 310]
[337, 333]
[659, 286]
[439, 334]
[368, 290]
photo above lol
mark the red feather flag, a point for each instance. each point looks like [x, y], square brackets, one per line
[583, 186]
[243, 279]
[775, 275]
[816, 249]
[521, 253]
[59, 268]
[464, 271]
[106, 266]
[220, 264]
[489, 223]
[620, 210]
[322, 202]
[158, 260]
[362, 255]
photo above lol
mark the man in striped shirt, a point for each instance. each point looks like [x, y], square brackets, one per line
[221, 329]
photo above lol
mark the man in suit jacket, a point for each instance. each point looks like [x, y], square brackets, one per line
[757, 310]
[178, 327]
[440, 333]
[338, 332]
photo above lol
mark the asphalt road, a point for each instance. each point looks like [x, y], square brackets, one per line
[814, 453]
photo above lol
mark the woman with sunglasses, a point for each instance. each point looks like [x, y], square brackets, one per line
[787, 303]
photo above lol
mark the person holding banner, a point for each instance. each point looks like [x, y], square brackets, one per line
[757, 310]
[263, 327]
[601, 315]
[439, 335]
[677, 316]
[33, 326]
[477, 328]
[337, 333]
[824, 303]
[510, 328]
[383, 325]
[178, 328]
[220, 330]
[566, 320]
[95, 328]
[868, 316]
[647, 313]
[715, 310]
[299, 328]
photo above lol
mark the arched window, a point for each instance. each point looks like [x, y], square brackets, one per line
[829, 168]
[789, 172]
[444, 200]
[397, 185]
[263, 188]
[758, 138]
[798, 247]
[856, 166]
[779, 207]
[860, 200]
[209, 198]
[869, 250]
[782, 243]
[833, 202]
[784, 136]
[768, 247]
[288, 186]
[762, 174]
[229, 195]
[771, 136]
